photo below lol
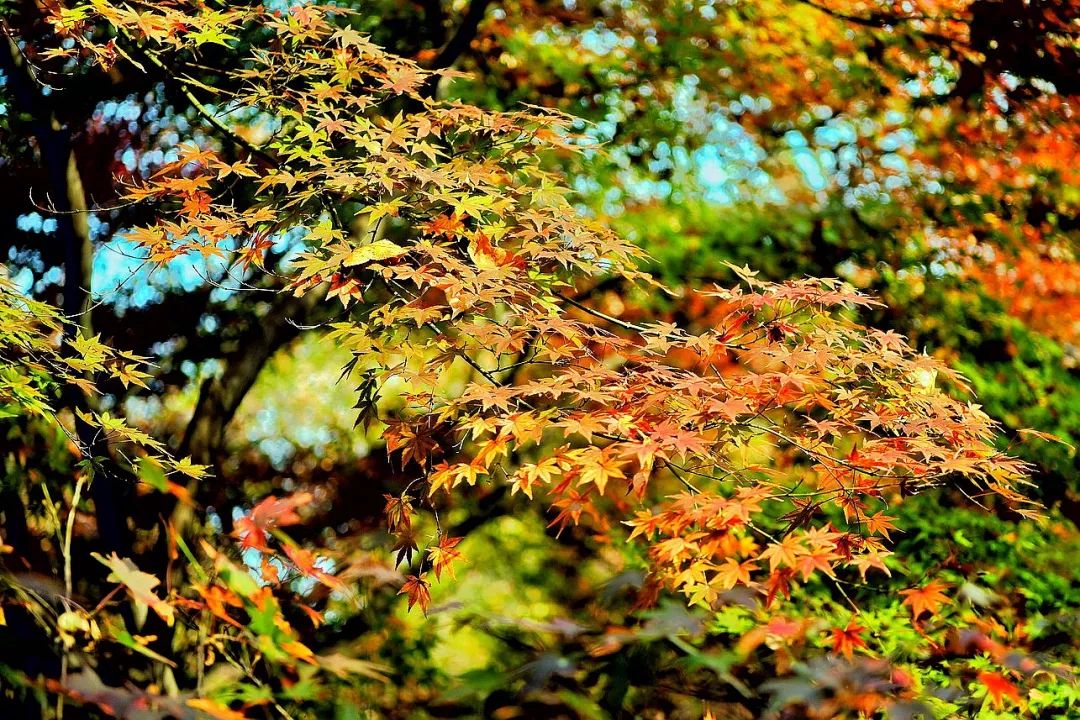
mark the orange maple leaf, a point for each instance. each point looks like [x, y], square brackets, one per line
[880, 524]
[443, 555]
[418, 591]
[927, 599]
[733, 573]
[215, 709]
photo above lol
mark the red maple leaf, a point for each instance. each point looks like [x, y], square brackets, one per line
[846, 640]
[271, 512]
[998, 687]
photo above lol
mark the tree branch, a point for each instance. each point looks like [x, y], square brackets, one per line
[457, 45]
[877, 21]
[220, 397]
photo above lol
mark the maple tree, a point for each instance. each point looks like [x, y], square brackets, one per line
[463, 247]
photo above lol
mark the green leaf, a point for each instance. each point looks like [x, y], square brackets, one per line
[120, 634]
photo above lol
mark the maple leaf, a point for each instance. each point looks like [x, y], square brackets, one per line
[571, 507]
[529, 475]
[998, 687]
[599, 468]
[418, 590]
[733, 573]
[404, 78]
[927, 599]
[306, 564]
[584, 425]
[846, 640]
[880, 524]
[443, 475]
[398, 512]
[373, 252]
[196, 203]
[786, 552]
[239, 167]
[488, 452]
[218, 600]
[443, 555]
[140, 585]
[215, 709]
[1048, 437]
[416, 442]
[448, 225]
[185, 466]
[269, 513]
[405, 546]
[872, 558]
[814, 560]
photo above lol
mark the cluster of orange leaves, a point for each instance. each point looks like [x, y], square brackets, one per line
[486, 258]
[469, 257]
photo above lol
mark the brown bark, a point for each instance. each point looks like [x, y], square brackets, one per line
[220, 397]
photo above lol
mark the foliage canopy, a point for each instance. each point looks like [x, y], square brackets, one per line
[531, 359]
